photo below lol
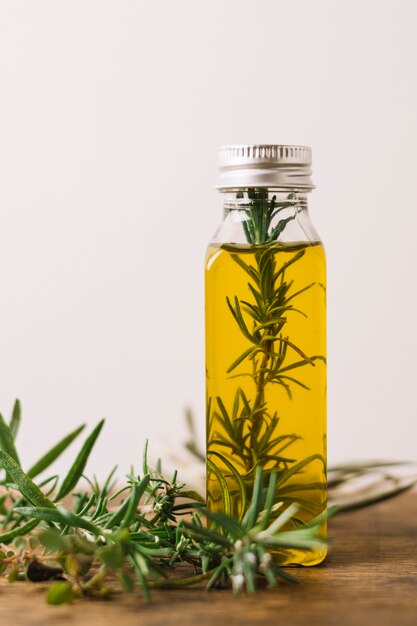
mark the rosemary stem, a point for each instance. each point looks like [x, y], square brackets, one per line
[260, 392]
[182, 582]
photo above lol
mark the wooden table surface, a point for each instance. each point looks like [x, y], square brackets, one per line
[370, 578]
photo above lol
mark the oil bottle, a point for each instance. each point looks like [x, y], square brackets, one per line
[265, 282]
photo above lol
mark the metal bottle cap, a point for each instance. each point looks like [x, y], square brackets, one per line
[265, 166]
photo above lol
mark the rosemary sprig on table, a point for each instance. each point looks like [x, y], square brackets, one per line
[84, 538]
[110, 537]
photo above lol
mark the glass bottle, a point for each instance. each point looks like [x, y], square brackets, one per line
[265, 339]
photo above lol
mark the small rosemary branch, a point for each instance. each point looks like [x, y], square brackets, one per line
[246, 436]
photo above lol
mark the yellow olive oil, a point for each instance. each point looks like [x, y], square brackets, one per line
[266, 379]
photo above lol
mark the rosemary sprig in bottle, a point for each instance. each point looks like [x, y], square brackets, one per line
[246, 435]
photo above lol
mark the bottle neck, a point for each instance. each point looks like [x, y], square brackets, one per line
[265, 213]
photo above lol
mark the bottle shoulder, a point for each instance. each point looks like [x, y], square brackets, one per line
[292, 228]
[265, 217]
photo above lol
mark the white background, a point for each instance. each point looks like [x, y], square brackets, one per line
[111, 114]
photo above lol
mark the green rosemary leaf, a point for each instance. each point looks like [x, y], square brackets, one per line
[265, 442]
[266, 273]
[292, 345]
[227, 503]
[235, 409]
[287, 264]
[282, 573]
[151, 551]
[269, 323]
[308, 361]
[290, 539]
[249, 269]
[254, 509]
[291, 379]
[187, 506]
[226, 419]
[47, 459]
[252, 310]
[100, 507]
[108, 485]
[248, 571]
[277, 459]
[236, 476]
[203, 534]
[15, 419]
[117, 493]
[136, 494]
[281, 207]
[192, 495]
[128, 508]
[226, 522]
[3, 507]
[258, 298]
[269, 500]
[111, 556]
[126, 582]
[300, 291]
[6, 440]
[270, 576]
[145, 458]
[26, 485]
[60, 592]
[279, 309]
[307, 505]
[249, 227]
[53, 541]
[299, 466]
[52, 481]
[59, 515]
[241, 358]
[245, 401]
[222, 442]
[278, 523]
[75, 472]
[237, 314]
[216, 574]
[288, 439]
[19, 531]
[270, 339]
[141, 571]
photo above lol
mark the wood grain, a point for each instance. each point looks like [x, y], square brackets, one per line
[370, 578]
